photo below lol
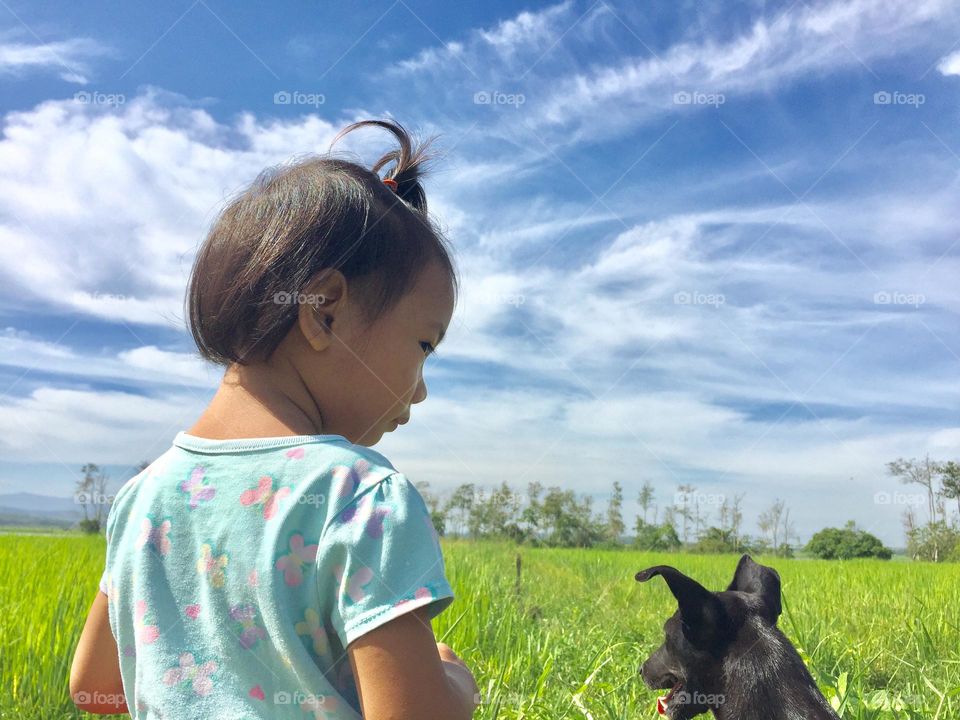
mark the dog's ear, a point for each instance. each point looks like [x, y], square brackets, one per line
[761, 582]
[701, 611]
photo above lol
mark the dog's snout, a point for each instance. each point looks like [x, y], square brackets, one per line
[645, 673]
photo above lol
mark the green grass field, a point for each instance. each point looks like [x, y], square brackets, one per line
[883, 638]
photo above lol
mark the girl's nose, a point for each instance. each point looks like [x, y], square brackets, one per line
[421, 394]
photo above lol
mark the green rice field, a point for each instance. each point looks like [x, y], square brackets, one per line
[882, 639]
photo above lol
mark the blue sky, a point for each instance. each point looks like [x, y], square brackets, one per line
[699, 244]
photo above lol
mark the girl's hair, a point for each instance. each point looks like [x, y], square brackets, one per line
[294, 221]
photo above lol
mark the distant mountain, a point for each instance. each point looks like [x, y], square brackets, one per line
[44, 503]
[10, 517]
[32, 509]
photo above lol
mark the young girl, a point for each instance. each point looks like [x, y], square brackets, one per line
[270, 564]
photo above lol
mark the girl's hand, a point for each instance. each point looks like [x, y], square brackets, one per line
[448, 655]
[458, 672]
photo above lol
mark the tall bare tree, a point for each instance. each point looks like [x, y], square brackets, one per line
[615, 526]
[770, 523]
[685, 496]
[645, 499]
[950, 482]
[920, 472]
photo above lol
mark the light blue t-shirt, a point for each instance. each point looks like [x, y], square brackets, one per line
[238, 571]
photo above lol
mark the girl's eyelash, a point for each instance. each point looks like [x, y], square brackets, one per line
[431, 350]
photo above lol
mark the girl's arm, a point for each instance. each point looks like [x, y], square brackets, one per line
[401, 675]
[95, 684]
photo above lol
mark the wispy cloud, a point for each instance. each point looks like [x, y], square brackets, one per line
[531, 55]
[527, 32]
[70, 59]
[139, 366]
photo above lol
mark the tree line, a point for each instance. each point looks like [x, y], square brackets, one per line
[553, 517]
[693, 520]
[938, 538]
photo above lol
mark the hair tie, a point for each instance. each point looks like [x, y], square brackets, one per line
[390, 183]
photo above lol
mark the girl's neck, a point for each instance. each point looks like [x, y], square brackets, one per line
[248, 404]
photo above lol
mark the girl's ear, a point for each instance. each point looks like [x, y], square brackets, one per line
[321, 304]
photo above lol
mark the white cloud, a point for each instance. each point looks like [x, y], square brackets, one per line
[78, 426]
[539, 55]
[526, 33]
[802, 41]
[142, 366]
[159, 172]
[428, 58]
[950, 65]
[69, 58]
[527, 29]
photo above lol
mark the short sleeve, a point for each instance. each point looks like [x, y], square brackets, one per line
[381, 556]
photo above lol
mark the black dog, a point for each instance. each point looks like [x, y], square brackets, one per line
[724, 652]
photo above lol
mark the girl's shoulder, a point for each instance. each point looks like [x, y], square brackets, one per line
[315, 470]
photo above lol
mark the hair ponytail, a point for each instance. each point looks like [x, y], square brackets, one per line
[409, 162]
